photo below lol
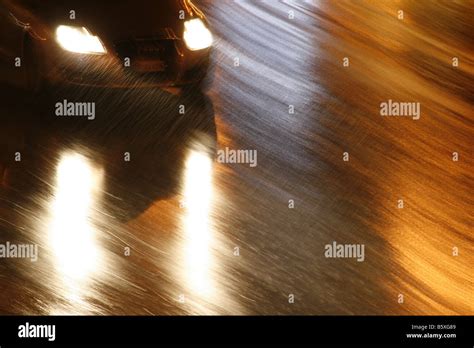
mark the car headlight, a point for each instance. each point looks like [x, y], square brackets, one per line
[196, 35]
[78, 40]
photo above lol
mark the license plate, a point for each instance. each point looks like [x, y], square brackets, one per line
[149, 65]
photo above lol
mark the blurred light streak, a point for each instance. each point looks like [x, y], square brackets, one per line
[198, 234]
[72, 236]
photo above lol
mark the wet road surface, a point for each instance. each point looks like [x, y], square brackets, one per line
[133, 214]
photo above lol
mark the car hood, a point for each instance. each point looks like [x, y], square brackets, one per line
[111, 19]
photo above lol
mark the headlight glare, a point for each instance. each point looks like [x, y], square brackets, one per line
[78, 40]
[196, 35]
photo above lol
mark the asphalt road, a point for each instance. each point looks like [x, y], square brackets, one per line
[175, 231]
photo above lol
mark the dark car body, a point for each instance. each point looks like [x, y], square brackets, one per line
[143, 41]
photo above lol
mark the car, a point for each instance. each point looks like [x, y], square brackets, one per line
[107, 43]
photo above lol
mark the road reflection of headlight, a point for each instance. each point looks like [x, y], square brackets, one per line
[196, 35]
[78, 40]
[198, 194]
[71, 232]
